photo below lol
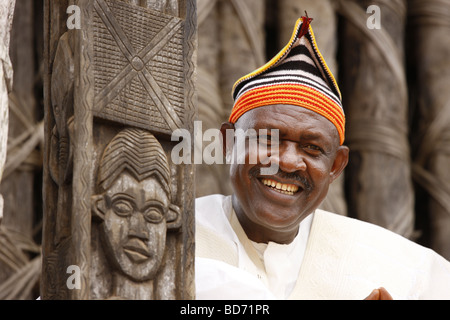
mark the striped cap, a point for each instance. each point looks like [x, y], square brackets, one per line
[297, 75]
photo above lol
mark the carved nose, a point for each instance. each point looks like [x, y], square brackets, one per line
[138, 226]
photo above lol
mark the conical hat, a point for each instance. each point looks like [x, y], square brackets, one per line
[297, 75]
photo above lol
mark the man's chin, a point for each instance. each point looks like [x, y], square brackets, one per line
[280, 212]
[274, 215]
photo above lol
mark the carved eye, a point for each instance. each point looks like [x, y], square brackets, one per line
[122, 207]
[153, 215]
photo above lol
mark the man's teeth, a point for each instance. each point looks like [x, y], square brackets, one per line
[281, 187]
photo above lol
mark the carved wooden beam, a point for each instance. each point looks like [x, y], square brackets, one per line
[118, 213]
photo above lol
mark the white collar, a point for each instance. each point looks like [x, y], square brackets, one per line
[276, 265]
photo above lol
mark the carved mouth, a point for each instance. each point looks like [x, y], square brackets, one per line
[136, 250]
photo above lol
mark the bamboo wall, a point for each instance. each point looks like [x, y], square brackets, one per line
[394, 82]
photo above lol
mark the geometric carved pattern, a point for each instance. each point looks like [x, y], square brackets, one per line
[138, 66]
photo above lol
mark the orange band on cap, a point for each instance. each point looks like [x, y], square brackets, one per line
[292, 94]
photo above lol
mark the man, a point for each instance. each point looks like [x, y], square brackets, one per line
[268, 240]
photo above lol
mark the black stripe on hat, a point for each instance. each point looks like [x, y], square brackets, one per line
[328, 78]
[298, 65]
[298, 50]
[268, 80]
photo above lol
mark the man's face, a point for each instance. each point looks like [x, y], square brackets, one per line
[309, 158]
[135, 225]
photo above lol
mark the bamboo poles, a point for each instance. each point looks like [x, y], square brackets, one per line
[324, 24]
[375, 98]
[25, 134]
[231, 44]
[6, 74]
[210, 178]
[242, 40]
[430, 52]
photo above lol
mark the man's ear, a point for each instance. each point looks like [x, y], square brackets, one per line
[173, 218]
[227, 139]
[340, 162]
[98, 206]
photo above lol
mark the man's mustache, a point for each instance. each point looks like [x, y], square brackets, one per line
[307, 185]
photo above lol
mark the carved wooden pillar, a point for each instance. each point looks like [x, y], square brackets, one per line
[118, 212]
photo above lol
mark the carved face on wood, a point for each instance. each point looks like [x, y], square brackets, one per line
[135, 225]
[135, 205]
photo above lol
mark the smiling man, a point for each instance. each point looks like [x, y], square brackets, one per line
[308, 157]
[269, 240]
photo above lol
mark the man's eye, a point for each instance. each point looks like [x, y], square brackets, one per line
[264, 139]
[122, 208]
[153, 215]
[313, 148]
[268, 140]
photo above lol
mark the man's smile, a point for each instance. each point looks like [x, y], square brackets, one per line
[284, 188]
[283, 183]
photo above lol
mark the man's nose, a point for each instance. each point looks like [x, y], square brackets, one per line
[290, 157]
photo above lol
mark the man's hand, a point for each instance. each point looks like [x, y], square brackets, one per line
[379, 294]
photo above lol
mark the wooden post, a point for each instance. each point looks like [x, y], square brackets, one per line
[119, 213]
